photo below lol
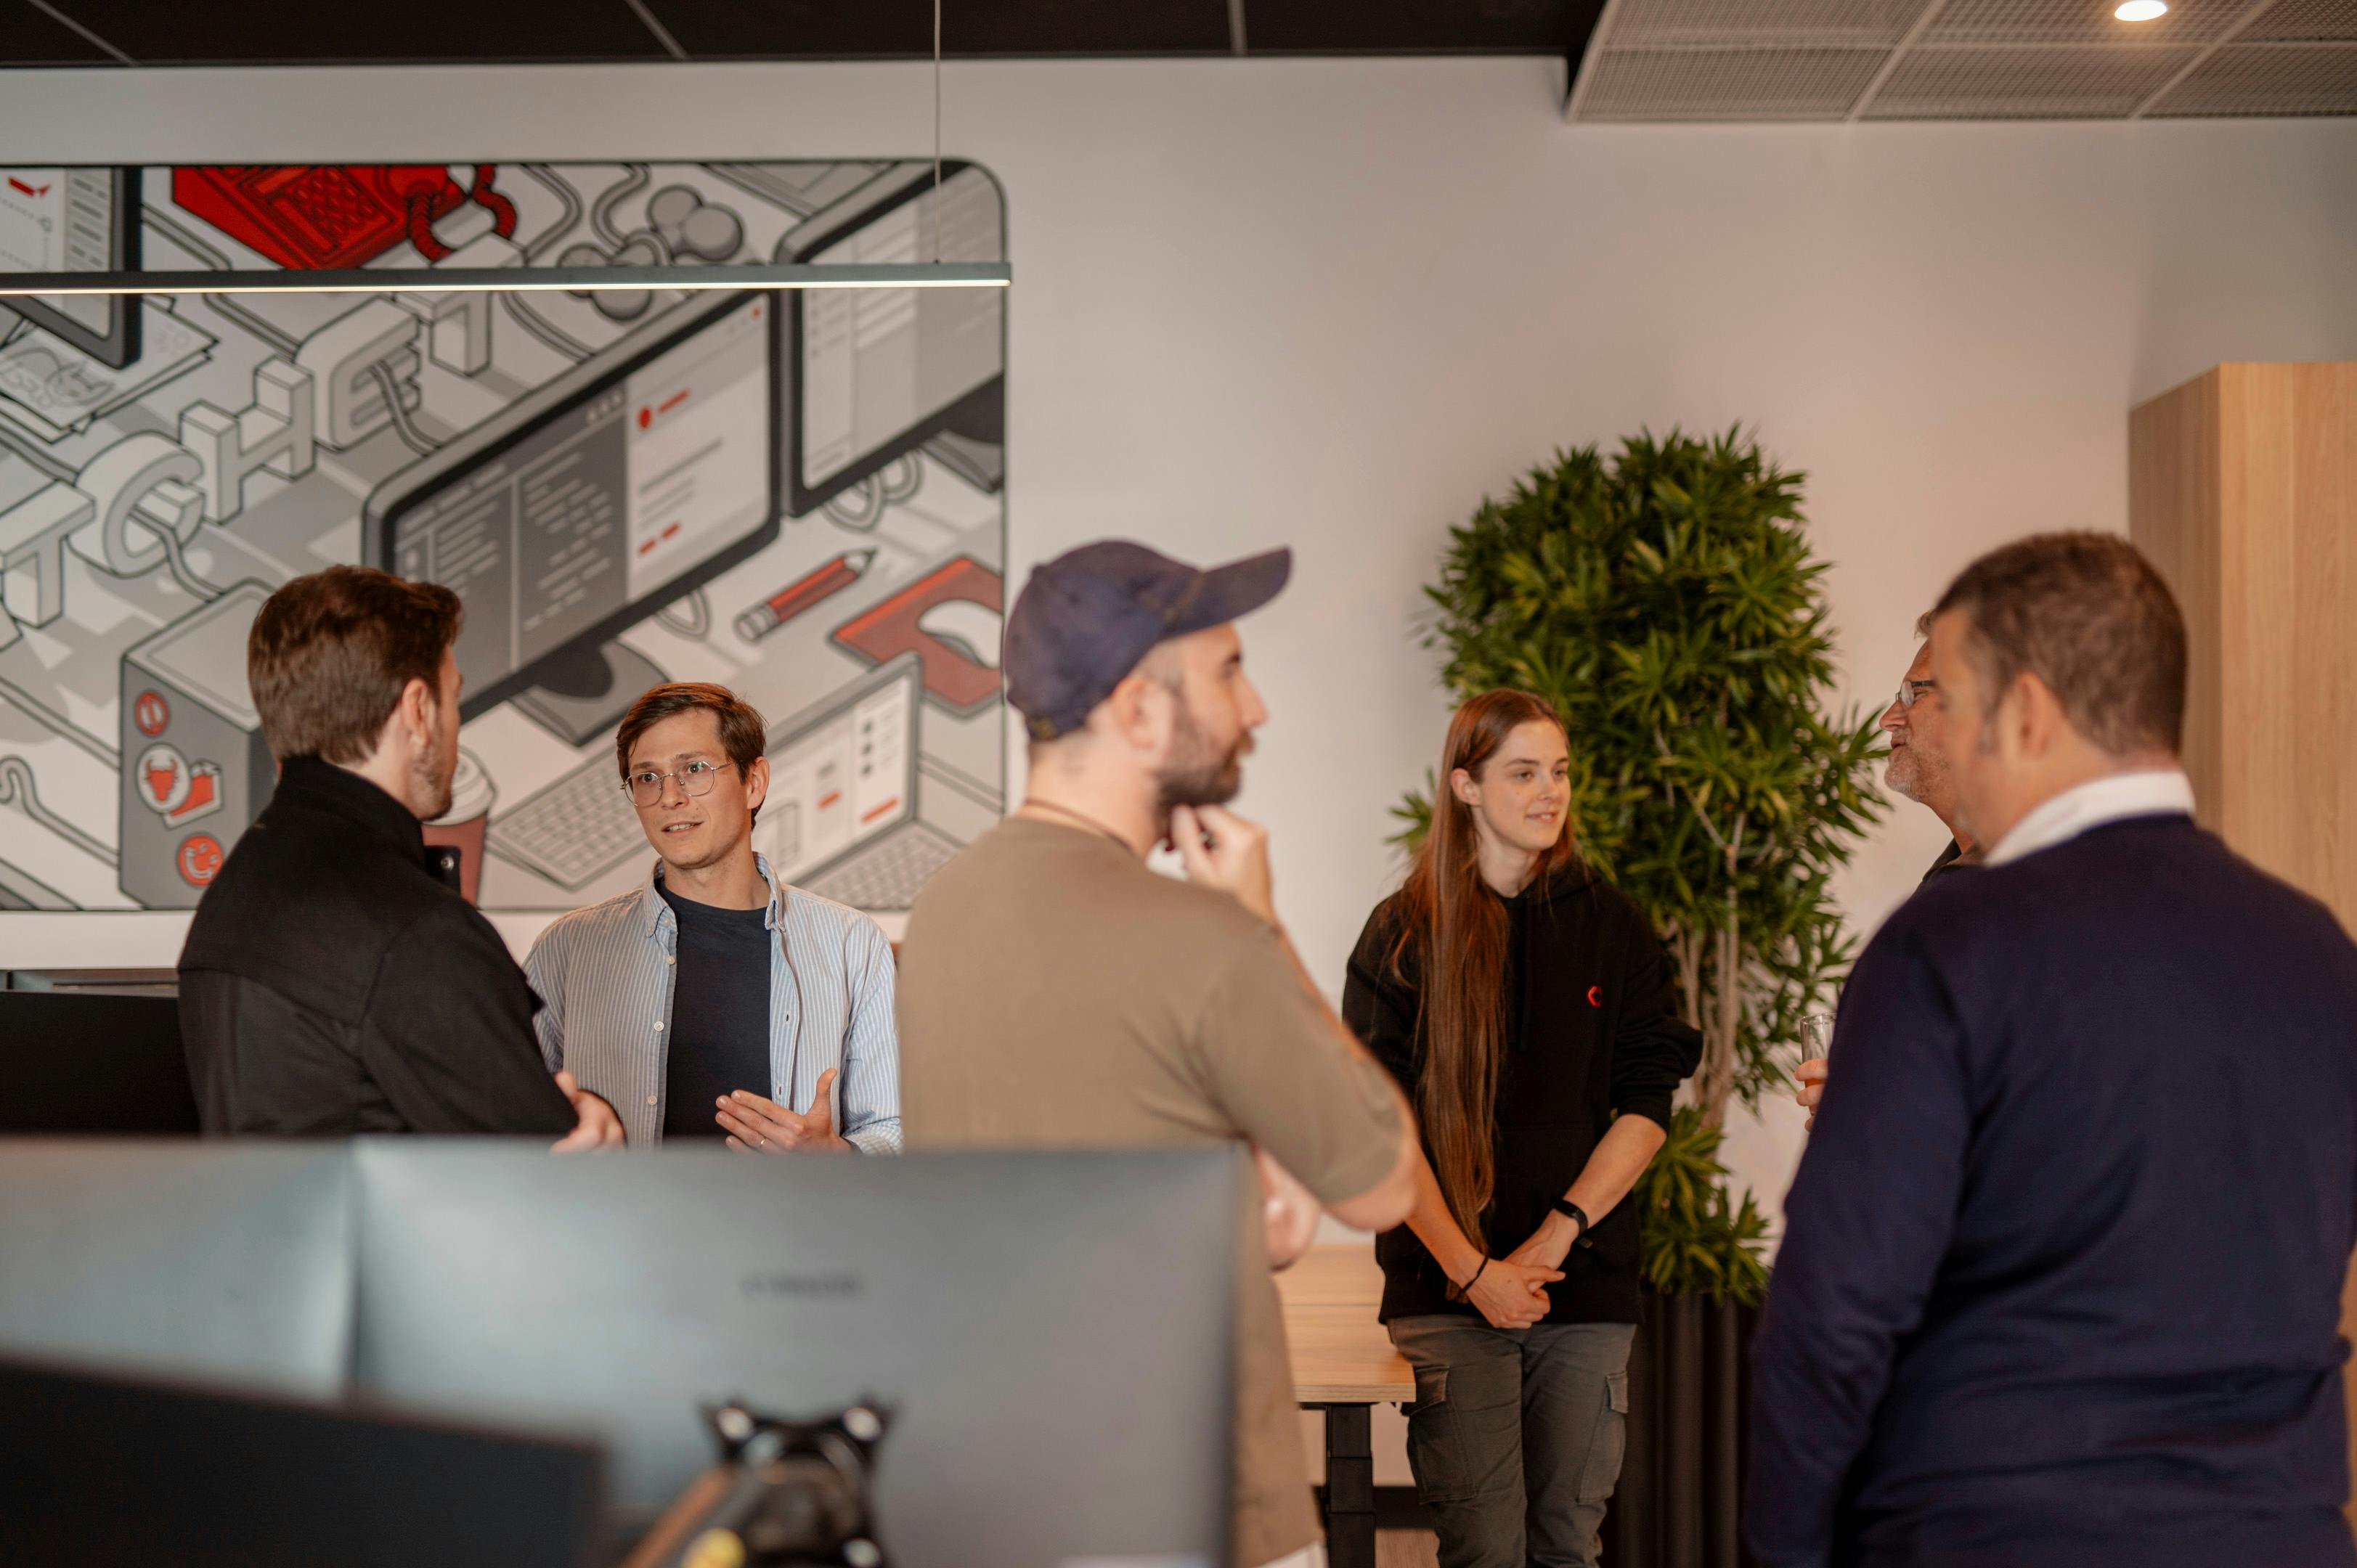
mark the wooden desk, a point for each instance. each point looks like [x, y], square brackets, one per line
[1343, 1365]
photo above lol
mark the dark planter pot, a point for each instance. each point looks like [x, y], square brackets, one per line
[1680, 1501]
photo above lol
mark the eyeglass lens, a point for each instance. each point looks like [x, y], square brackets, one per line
[695, 779]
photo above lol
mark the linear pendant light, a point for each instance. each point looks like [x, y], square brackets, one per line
[518, 280]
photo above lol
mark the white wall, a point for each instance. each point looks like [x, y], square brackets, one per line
[1331, 303]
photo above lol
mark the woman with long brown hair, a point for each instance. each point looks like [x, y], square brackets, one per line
[1529, 1011]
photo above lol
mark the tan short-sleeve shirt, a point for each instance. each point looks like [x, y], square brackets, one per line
[1056, 992]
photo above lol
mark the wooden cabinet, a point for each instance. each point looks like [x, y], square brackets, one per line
[2242, 491]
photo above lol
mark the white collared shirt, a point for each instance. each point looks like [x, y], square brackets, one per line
[2152, 792]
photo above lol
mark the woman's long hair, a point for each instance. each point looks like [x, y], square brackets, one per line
[1457, 931]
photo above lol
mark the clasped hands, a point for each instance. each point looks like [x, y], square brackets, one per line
[1511, 1292]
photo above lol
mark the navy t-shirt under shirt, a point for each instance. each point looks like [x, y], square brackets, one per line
[719, 1037]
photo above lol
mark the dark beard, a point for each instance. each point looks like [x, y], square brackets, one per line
[432, 786]
[1194, 776]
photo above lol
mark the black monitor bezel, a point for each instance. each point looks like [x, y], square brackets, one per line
[119, 344]
[473, 705]
[986, 400]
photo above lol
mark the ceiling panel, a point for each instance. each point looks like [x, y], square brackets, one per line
[741, 29]
[832, 29]
[2268, 78]
[1967, 59]
[2289, 20]
[1787, 24]
[1727, 84]
[2024, 83]
[2078, 21]
[310, 32]
[1418, 26]
[31, 37]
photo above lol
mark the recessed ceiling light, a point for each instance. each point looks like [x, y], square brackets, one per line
[2141, 10]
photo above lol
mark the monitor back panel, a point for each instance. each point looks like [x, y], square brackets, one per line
[1049, 1333]
[200, 1259]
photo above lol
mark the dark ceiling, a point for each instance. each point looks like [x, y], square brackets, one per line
[419, 32]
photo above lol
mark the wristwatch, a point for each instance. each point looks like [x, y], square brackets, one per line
[1578, 1216]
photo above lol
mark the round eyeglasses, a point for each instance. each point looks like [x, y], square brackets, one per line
[1913, 692]
[646, 784]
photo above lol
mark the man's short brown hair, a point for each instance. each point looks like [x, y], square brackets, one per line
[330, 654]
[2087, 615]
[743, 735]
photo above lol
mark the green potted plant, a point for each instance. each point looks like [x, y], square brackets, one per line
[1665, 599]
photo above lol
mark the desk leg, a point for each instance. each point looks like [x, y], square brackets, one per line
[1349, 1485]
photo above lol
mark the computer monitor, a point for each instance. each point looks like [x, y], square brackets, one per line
[74, 221]
[879, 371]
[1049, 1334]
[635, 478]
[231, 1263]
[93, 1062]
[102, 1470]
[841, 819]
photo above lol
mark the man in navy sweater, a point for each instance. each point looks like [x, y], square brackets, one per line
[2062, 1279]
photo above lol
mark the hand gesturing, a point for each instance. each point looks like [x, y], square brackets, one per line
[761, 1126]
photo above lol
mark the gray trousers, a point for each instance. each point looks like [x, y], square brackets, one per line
[1516, 1435]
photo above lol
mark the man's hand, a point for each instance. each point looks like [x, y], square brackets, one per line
[760, 1126]
[1510, 1294]
[1288, 1213]
[1223, 851]
[1812, 1075]
[599, 1127]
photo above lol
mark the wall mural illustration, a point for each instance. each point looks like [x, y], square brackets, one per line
[798, 495]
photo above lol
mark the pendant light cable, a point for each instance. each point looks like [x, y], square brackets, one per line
[937, 130]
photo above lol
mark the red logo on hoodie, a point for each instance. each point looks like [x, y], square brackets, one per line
[1596, 996]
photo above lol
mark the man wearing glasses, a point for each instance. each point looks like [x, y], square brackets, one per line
[1918, 769]
[715, 1001]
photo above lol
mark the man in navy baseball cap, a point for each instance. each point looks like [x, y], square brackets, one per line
[1056, 992]
[1088, 618]
[1116, 620]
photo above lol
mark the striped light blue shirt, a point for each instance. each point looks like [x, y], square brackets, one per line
[605, 973]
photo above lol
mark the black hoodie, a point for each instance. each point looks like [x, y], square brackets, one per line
[1592, 1028]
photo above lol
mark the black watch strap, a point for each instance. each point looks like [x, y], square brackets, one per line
[1564, 1207]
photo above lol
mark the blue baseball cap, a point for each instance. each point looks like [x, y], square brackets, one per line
[1085, 619]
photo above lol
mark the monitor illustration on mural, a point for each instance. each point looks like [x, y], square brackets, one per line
[797, 495]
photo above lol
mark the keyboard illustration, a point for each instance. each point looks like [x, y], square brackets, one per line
[887, 875]
[572, 831]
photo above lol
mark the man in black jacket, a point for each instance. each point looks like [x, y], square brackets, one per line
[2061, 1284]
[331, 984]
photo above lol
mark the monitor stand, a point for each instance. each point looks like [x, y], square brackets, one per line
[584, 691]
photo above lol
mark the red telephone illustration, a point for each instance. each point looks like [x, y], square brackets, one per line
[312, 217]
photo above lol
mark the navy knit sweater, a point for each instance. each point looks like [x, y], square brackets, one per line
[2062, 1274]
